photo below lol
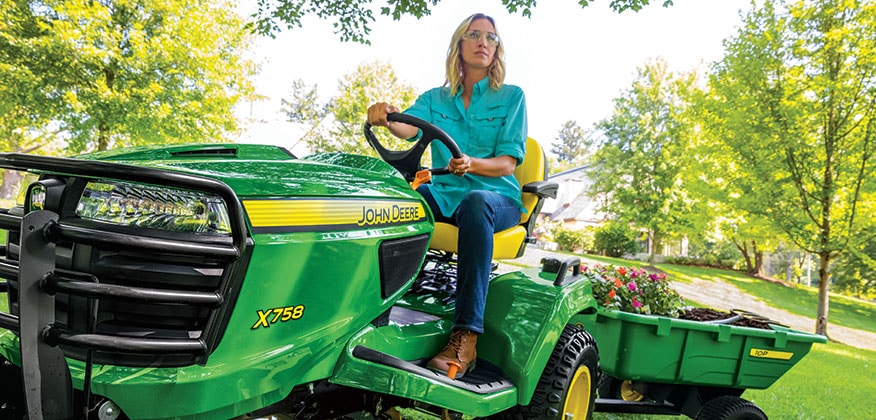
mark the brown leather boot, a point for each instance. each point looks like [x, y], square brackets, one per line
[460, 350]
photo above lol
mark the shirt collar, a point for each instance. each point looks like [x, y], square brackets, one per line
[479, 88]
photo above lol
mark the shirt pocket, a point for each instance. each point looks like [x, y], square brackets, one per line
[486, 126]
[444, 116]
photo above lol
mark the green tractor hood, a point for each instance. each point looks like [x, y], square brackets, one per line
[270, 171]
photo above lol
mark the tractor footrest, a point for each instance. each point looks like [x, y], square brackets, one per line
[486, 378]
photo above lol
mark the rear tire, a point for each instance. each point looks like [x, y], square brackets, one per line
[568, 383]
[728, 407]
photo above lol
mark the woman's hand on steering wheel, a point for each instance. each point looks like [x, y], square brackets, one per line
[377, 113]
[459, 166]
[408, 162]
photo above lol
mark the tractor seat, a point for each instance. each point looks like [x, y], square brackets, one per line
[510, 243]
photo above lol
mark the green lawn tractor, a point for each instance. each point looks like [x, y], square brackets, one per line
[231, 281]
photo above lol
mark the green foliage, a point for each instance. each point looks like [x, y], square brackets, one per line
[633, 290]
[792, 106]
[614, 239]
[571, 143]
[568, 239]
[337, 125]
[354, 17]
[855, 270]
[370, 83]
[643, 154]
[805, 161]
[708, 260]
[113, 74]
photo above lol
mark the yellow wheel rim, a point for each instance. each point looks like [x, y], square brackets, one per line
[578, 396]
[628, 393]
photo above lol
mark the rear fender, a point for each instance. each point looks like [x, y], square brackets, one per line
[525, 314]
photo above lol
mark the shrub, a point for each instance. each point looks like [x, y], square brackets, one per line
[614, 239]
[569, 239]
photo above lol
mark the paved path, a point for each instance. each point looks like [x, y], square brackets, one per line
[725, 296]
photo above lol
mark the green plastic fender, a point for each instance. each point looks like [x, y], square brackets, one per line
[524, 317]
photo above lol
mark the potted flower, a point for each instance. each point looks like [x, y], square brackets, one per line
[633, 290]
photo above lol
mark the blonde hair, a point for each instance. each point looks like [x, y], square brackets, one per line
[455, 70]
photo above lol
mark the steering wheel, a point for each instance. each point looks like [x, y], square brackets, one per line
[408, 162]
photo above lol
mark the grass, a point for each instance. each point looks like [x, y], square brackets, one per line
[834, 381]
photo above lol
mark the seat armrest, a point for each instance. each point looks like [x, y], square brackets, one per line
[542, 188]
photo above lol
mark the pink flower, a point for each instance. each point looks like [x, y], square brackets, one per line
[632, 286]
[636, 303]
[654, 277]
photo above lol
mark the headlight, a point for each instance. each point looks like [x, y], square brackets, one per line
[154, 207]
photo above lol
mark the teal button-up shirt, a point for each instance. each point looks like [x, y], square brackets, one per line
[493, 125]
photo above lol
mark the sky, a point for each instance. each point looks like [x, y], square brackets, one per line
[571, 62]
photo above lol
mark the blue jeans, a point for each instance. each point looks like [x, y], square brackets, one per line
[480, 214]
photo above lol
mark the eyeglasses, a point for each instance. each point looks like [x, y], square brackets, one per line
[476, 35]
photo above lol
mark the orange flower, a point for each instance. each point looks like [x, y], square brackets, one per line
[618, 283]
[611, 294]
[622, 271]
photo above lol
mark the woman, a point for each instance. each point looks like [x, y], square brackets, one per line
[487, 119]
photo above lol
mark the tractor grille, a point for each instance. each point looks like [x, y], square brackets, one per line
[130, 318]
[400, 261]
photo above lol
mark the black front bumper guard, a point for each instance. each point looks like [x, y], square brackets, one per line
[46, 376]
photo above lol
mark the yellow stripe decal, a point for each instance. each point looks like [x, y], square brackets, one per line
[770, 354]
[338, 213]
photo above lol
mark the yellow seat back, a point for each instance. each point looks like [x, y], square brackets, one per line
[508, 243]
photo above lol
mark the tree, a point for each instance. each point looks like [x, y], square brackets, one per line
[135, 72]
[798, 86]
[345, 113]
[639, 163]
[571, 142]
[354, 17]
[25, 94]
[304, 108]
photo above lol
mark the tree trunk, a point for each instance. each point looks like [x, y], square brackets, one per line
[652, 238]
[823, 290]
[102, 137]
[758, 261]
[11, 179]
[743, 248]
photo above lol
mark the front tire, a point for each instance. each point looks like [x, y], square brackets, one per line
[728, 407]
[568, 383]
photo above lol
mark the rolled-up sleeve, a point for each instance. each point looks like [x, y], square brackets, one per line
[512, 137]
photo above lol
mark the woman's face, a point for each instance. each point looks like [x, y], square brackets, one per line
[479, 45]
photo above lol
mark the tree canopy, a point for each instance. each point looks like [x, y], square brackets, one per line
[639, 163]
[124, 73]
[353, 18]
[795, 100]
[337, 125]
